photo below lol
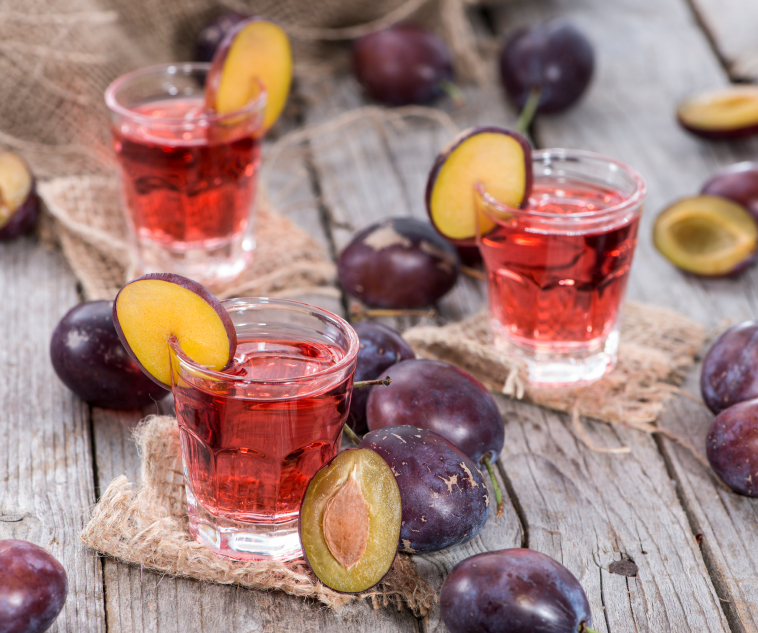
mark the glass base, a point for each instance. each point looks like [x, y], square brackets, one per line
[213, 265]
[562, 365]
[243, 541]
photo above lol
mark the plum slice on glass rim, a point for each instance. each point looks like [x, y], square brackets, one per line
[497, 158]
[253, 51]
[152, 309]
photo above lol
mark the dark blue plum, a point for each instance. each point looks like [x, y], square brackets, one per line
[513, 591]
[445, 501]
[732, 447]
[33, 587]
[444, 399]
[210, 36]
[380, 348]
[730, 368]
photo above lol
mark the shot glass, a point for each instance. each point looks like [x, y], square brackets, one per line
[188, 176]
[558, 268]
[253, 436]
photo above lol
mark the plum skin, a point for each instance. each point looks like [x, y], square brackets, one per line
[411, 270]
[738, 182]
[554, 56]
[511, 591]
[732, 447]
[402, 64]
[445, 501]
[89, 358]
[444, 399]
[33, 587]
[380, 348]
[730, 369]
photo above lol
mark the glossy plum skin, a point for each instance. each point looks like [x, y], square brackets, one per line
[732, 447]
[398, 263]
[402, 64]
[445, 501]
[380, 348]
[444, 399]
[513, 591]
[738, 182]
[33, 587]
[90, 360]
[554, 56]
[730, 368]
[212, 34]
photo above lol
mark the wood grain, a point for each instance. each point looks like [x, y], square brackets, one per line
[45, 455]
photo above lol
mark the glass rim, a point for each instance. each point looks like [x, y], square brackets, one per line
[634, 199]
[219, 376]
[256, 105]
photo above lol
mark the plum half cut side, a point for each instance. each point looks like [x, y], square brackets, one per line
[148, 311]
[253, 51]
[350, 521]
[498, 158]
[731, 112]
[19, 205]
[706, 235]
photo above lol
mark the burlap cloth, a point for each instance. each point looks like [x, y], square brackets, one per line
[149, 527]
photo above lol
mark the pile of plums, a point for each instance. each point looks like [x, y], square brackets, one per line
[713, 234]
[33, 587]
[729, 385]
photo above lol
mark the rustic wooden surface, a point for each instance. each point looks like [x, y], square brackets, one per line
[695, 544]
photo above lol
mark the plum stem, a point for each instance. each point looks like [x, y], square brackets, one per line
[474, 273]
[495, 486]
[386, 381]
[359, 313]
[583, 628]
[454, 92]
[529, 110]
[352, 434]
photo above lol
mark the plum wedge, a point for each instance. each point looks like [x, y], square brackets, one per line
[253, 51]
[498, 158]
[150, 310]
[19, 205]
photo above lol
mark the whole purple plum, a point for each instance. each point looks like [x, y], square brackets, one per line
[398, 263]
[33, 587]
[513, 591]
[738, 182]
[444, 399]
[730, 368]
[444, 499]
[90, 360]
[732, 447]
[553, 56]
[380, 348]
[402, 64]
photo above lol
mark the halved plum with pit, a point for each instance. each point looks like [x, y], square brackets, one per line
[350, 521]
[706, 235]
[731, 112]
[152, 309]
[498, 158]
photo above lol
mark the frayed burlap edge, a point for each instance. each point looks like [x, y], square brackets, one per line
[150, 528]
[656, 347]
[92, 231]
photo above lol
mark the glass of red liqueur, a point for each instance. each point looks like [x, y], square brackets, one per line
[253, 435]
[189, 176]
[558, 268]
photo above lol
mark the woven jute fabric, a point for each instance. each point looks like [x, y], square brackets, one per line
[656, 347]
[149, 527]
[93, 233]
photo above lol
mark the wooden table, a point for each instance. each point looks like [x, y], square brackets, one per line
[695, 544]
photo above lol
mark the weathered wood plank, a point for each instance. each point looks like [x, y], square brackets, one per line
[45, 454]
[141, 601]
[629, 114]
[731, 26]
